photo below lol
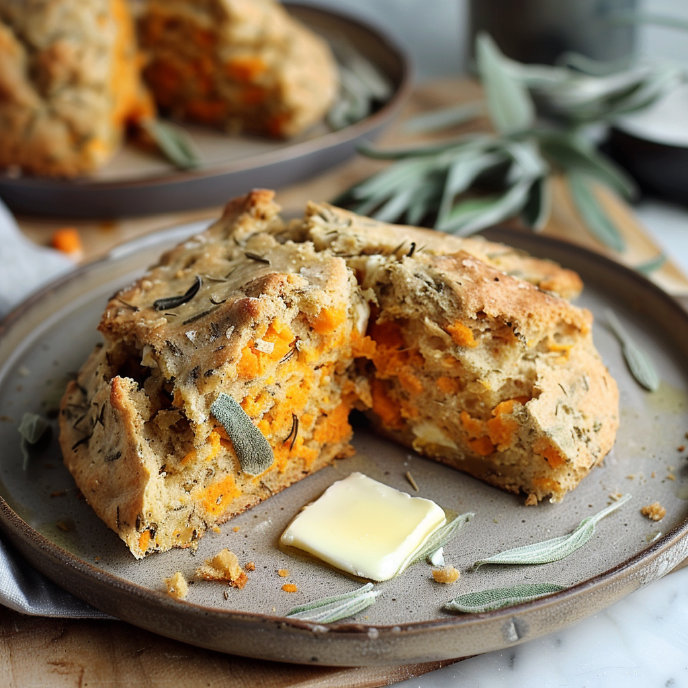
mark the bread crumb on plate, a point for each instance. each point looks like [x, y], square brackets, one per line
[224, 566]
[289, 587]
[177, 586]
[655, 511]
[446, 575]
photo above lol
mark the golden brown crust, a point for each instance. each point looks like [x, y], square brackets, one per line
[238, 65]
[69, 81]
[449, 354]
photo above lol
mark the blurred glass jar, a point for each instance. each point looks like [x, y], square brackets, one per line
[538, 31]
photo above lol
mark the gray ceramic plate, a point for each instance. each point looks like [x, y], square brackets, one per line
[136, 183]
[51, 334]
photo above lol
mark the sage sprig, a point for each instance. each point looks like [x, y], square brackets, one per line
[498, 598]
[638, 362]
[330, 609]
[252, 449]
[466, 184]
[555, 549]
[438, 539]
[173, 142]
[32, 428]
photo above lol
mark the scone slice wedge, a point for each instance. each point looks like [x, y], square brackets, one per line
[271, 325]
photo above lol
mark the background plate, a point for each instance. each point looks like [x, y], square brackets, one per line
[52, 333]
[138, 183]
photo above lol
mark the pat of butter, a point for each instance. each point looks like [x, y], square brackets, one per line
[364, 527]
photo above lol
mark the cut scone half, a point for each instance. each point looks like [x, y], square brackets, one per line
[229, 370]
[473, 365]
[237, 64]
[70, 82]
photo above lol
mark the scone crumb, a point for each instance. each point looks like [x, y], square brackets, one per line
[250, 566]
[177, 586]
[446, 575]
[236, 529]
[289, 587]
[616, 496]
[283, 573]
[531, 500]
[224, 566]
[216, 529]
[64, 526]
[58, 493]
[655, 512]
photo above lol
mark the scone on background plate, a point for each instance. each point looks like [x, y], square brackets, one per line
[237, 64]
[69, 83]
[434, 336]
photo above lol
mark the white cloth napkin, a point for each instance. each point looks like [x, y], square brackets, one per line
[24, 267]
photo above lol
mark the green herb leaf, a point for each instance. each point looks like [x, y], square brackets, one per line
[498, 598]
[173, 142]
[330, 609]
[555, 549]
[470, 141]
[31, 429]
[639, 363]
[176, 301]
[651, 265]
[250, 445]
[443, 119]
[538, 207]
[592, 213]
[510, 106]
[438, 539]
[570, 154]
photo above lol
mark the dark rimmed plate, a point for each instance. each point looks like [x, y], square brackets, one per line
[51, 334]
[136, 183]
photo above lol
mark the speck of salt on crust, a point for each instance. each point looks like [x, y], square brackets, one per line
[177, 586]
[289, 587]
[283, 573]
[655, 511]
[446, 575]
[531, 500]
[224, 566]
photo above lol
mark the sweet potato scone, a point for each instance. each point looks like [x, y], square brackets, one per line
[237, 64]
[228, 371]
[69, 82]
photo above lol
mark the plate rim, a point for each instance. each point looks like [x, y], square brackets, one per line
[36, 546]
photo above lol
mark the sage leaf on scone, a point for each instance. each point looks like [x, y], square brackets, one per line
[31, 429]
[498, 598]
[176, 301]
[440, 537]
[640, 365]
[556, 548]
[250, 445]
[337, 607]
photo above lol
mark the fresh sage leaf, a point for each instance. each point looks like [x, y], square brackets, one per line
[254, 453]
[498, 598]
[538, 207]
[570, 154]
[173, 142]
[468, 141]
[176, 301]
[438, 539]
[31, 429]
[555, 549]
[650, 266]
[443, 119]
[337, 607]
[638, 362]
[592, 213]
[509, 104]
